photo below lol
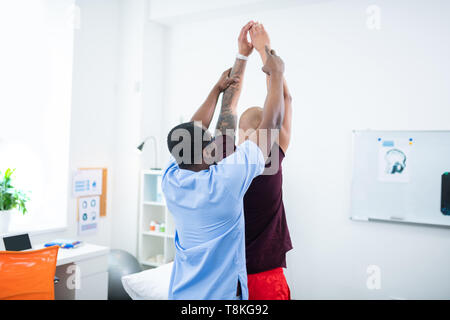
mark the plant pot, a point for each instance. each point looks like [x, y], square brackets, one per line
[5, 217]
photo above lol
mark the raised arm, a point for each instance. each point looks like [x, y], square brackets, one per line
[228, 113]
[267, 133]
[205, 113]
[260, 39]
[285, 133]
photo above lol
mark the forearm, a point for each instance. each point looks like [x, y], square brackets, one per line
[285, 132]
[286, 93]
[273, 112]
[228, 112]
[205, 113]
[263, 56]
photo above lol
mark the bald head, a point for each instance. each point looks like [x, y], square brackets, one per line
[249, 121]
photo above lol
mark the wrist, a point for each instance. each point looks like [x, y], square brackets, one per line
[276, 75]
[263, 48]
[263, 56]
[242, 56]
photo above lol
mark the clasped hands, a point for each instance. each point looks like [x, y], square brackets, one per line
[261, 42]
[259, 39]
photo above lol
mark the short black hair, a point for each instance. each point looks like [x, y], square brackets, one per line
[188, 136]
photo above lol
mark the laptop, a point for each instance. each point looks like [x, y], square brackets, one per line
[19, 242]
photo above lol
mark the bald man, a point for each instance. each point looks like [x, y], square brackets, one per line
[266, 231]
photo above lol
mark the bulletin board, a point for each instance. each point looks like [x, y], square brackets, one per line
[401, 176]
[104, 192]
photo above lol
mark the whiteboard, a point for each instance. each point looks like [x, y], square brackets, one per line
[397, 176]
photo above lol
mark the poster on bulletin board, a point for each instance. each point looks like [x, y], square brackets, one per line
[90, 182]
[88, 214]
[87, 183]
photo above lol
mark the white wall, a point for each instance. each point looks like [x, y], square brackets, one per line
[154, 87]
[140, 113]
[128, 126]
[108, 119]
[92, 128]
[107, 112]
[342, 77]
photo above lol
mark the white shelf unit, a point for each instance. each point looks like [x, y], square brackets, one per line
[153, 208]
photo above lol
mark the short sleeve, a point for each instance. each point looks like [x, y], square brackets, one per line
[238, 170]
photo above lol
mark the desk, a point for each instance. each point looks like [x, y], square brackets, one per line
[83, 273]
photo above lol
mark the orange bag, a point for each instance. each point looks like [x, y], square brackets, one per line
[28, 275]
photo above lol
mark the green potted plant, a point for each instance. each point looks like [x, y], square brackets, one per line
[10, 199]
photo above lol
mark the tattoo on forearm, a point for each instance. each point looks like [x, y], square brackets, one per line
[228, 114]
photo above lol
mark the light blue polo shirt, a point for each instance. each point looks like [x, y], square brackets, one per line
[207, 207]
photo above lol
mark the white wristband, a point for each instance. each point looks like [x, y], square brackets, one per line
[241, 57]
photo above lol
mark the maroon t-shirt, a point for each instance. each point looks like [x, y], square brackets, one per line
[266, 232]
[267, 236]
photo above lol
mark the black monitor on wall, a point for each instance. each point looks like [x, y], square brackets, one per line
[445, 194]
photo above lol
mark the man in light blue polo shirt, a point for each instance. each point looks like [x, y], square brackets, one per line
[204, 192]
[208, 212]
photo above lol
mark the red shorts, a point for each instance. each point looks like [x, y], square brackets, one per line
[268, 285]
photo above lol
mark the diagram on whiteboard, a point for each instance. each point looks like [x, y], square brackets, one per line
[401, 176]
[393, 161]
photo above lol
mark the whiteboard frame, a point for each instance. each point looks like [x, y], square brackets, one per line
[393, 219]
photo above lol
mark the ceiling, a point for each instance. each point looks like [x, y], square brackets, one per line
[170, 12]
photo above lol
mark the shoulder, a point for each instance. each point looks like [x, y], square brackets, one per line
[247, 153]
[171, 166]
[170, 170]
